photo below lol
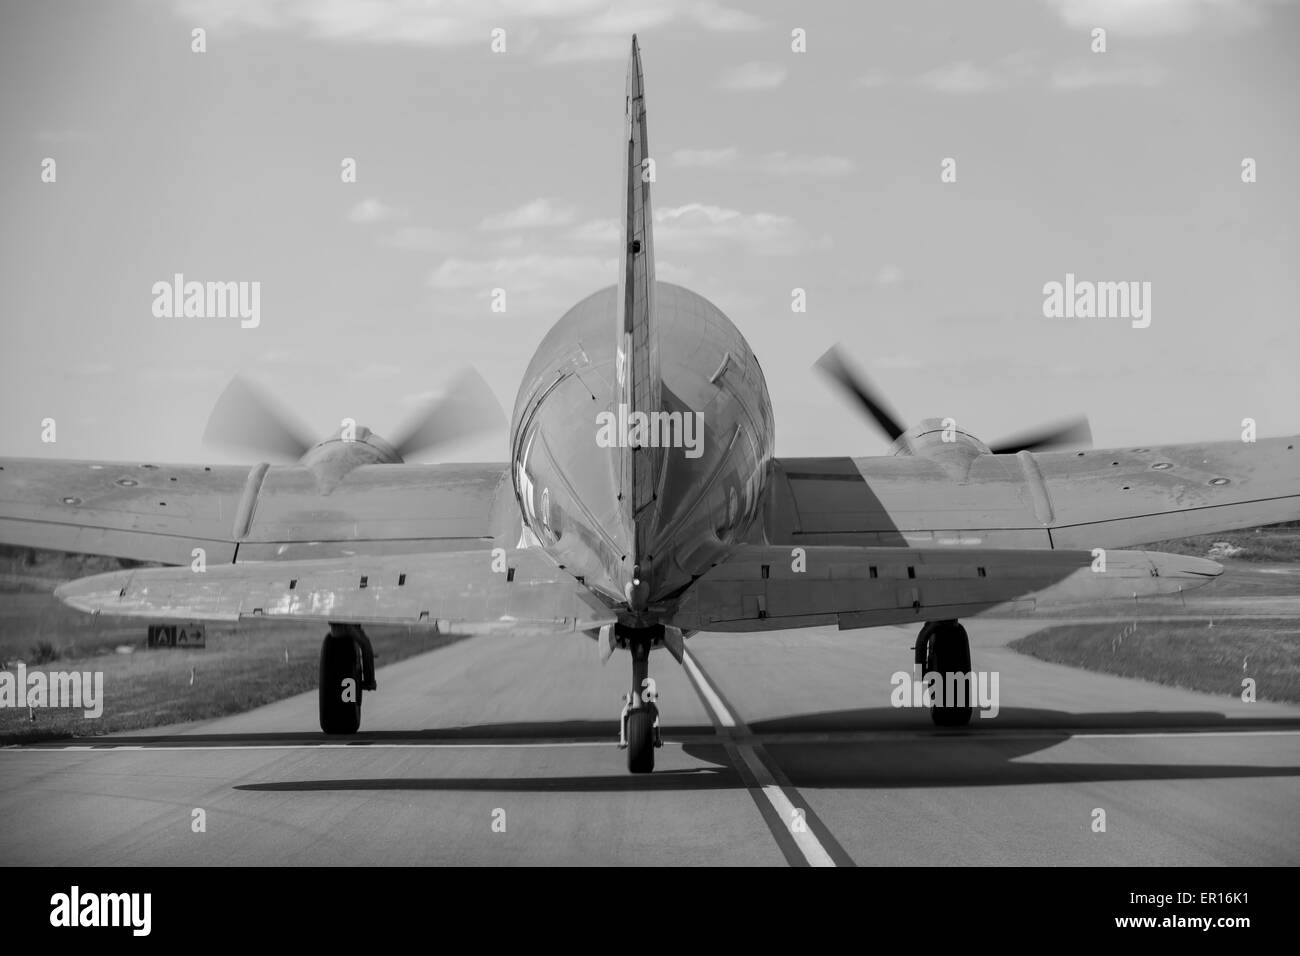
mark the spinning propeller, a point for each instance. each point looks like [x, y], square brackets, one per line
[248, 418]
[1071, 433]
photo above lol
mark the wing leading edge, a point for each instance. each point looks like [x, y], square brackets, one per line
[160, 512]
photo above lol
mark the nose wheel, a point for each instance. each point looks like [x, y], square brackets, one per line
[638, 731]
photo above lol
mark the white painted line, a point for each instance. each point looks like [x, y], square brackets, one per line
[804, 838]
[786, 811]
[710, 695]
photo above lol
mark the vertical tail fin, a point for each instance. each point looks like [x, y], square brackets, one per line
[638, 351]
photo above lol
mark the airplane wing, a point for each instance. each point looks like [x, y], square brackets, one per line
[157, 512]
[1107, 498]
[474, 591]
[762, 587]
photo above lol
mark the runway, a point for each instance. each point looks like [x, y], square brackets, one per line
[786, 751]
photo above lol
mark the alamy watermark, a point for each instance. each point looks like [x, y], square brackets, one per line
[1084, 299]
[72, 689]
[179, 299]
[628, 429]
[978, 689]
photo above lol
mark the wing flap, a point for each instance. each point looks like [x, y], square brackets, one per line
[764, 587]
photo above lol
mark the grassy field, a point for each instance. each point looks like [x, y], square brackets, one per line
[1275, 543]
[1192, 654]
[242, 667]
[237, 671]
[1244, 624]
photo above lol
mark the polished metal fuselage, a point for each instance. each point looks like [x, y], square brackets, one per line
[567, 483]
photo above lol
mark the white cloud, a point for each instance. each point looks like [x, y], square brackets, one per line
[698, 227]
[871, 81]
[1159, 17]
[1085, 74]
[435, 23]
[888, 274]
[422, 239]
[753, 76]
[534, 215]
[706, 158]
[595, 231]
[587, 48]
[372, 210]
[960, 78]
[714, 16]
[446, 23]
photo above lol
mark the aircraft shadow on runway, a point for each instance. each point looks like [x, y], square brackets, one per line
[871, 748]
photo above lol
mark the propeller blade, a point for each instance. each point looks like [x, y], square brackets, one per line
[1071, 433]
[833, 365]
[468, 408]
[247, 418]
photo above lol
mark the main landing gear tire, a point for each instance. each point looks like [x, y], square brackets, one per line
[947, 651]
[340, 704]
[641, 741]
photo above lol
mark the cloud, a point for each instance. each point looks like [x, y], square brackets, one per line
[706, 158]
[714, 16]
[888, 275]
[372, 210]
[960, 78]
[1159, 17]
[432, 23]
[422, 239]
[698, 227]
[588, 48]
[871, 81]
[449, 23]
[753, 76]
[1085, 74]
[534, 215]
[1026, 67]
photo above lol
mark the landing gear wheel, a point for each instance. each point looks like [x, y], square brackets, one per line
[947, 651]
[641, 741]
[340, 704]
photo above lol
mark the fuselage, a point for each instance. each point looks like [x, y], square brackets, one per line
[567, 434]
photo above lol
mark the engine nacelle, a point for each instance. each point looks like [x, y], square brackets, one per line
[941, 439]
[331, 459]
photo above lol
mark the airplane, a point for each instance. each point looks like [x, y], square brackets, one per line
[642, 502]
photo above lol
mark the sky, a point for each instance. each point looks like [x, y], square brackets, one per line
[776, 169]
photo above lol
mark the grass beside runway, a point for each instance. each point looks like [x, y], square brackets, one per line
[1210, 655]
[240, 669]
